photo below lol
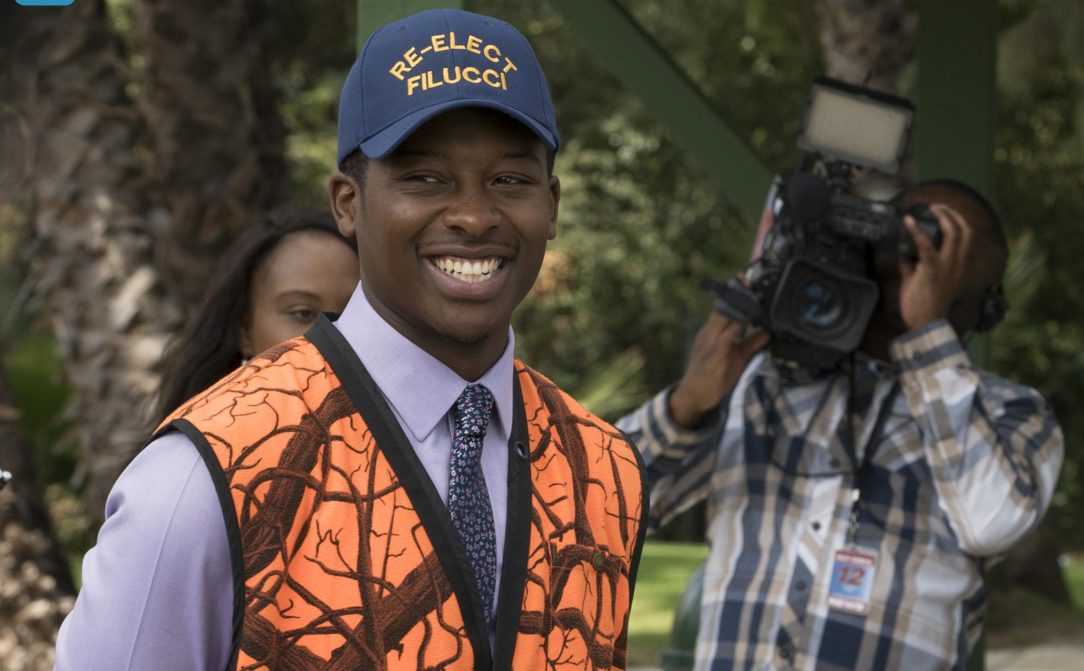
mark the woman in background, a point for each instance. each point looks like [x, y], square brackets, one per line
[271, 285]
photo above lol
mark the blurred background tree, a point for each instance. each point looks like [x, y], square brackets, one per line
[138, 137]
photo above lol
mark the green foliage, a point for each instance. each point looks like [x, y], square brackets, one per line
[1040, 170]
[1074, 577]
[315, 49]
[615, 388]
[641, 222]
[308, 108]
[29, 362]
[32, 367]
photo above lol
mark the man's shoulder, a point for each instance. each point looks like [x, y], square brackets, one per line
[283, 375]
[288, 363]
[538, 388]
[536, 385]
[556, 414]
[1019, 396]
[296, 352]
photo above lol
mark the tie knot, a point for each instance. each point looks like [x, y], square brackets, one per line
[472, 410]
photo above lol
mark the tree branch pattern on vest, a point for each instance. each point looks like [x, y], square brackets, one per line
[341, 574]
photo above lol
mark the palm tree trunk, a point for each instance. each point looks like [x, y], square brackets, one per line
[216, 138]
[98, 233]
[36, 588]
[135, 198]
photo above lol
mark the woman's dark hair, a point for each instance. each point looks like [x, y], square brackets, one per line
[210, 345]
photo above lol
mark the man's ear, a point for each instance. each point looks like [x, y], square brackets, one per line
[555, 202]
[345, 197]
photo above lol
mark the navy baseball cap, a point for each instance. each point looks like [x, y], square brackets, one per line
[413, 69]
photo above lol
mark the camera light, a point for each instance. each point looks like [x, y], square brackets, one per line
[851, 125]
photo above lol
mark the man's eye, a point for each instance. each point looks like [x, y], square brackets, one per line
[510, 180]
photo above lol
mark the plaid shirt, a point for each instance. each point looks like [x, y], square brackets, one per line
[960, 465]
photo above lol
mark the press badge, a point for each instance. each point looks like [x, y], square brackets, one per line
[852, 580]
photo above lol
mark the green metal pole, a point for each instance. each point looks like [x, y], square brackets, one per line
[647, 70]
[957, 54]
[957, 88]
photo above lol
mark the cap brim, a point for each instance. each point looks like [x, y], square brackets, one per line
[385, 141]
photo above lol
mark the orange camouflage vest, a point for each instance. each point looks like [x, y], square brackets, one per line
[345, 557]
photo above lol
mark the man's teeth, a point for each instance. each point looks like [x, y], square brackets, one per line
[469, 270]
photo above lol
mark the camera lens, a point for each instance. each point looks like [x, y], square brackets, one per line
[820, 304]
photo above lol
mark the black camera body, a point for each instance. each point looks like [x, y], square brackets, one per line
[811, 286]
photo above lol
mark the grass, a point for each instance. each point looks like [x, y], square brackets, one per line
[665, 569]
[1074, 577]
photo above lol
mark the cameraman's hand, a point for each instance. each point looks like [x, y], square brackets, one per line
[929, 285]
[718, 357]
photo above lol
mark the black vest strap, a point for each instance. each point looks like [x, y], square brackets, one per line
[517, 534]
[396, 447]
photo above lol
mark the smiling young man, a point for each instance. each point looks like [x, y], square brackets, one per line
[452, 227]
[394, 490]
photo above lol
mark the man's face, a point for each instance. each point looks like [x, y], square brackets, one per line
[985, 264]
[452, 228]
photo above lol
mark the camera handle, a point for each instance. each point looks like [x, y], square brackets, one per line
[735, 300]
[927, 223]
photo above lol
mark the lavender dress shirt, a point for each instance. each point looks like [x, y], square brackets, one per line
[157, 588]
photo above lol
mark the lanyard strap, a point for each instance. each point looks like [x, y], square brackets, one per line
[868, 449]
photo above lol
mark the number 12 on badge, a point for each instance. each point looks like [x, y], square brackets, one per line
[852, 580]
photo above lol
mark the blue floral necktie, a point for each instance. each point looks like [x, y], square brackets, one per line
[468, 497]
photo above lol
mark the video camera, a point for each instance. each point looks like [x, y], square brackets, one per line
[811, 285]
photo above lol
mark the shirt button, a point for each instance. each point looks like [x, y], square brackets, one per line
[784, 653]
[596, 560]
[816, 526]
[834, 462]
[800, 585]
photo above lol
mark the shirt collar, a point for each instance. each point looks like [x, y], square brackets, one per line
[420, 387]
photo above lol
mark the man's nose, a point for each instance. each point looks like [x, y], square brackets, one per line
[472, 210]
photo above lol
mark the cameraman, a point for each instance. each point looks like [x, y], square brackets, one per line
[853, 512]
